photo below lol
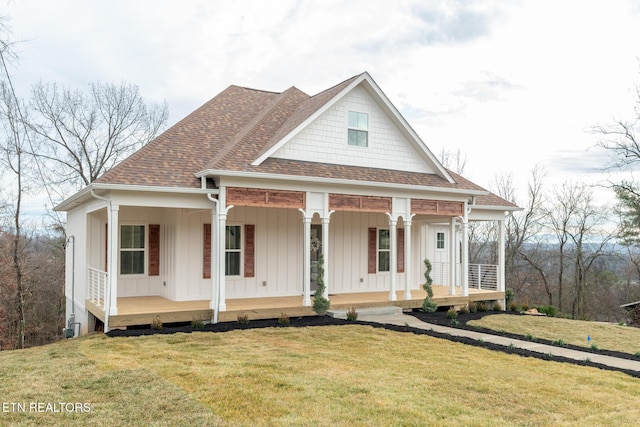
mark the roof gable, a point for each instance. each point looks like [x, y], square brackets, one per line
[393, 143]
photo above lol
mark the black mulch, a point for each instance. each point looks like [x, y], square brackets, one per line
[438, 318]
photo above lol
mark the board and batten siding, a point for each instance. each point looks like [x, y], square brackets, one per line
[325, 139]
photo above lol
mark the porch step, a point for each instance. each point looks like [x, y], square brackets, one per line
[372, 311]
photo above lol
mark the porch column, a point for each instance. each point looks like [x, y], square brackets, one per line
[452, 257]
[393, 257]
[465, 255]
[306, 261]
[113, 244]
[215, 259]
[408, 273]
[501, 256]
[325, 252]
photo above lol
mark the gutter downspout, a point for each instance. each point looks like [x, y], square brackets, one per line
[107, 297]
[215, 279]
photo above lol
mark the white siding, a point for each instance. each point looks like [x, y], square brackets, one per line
[325, 140]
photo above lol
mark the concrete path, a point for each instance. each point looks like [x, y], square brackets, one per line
[394, 316]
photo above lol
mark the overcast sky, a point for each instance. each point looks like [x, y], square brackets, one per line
[512, 84]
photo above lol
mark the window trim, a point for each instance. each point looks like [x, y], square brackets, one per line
[380, 250]
[144, 250]
[443, 241]
[239, 250]
[358, 129]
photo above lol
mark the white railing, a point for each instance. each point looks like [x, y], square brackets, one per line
[440, 273]
[483, 276]
[98, 281]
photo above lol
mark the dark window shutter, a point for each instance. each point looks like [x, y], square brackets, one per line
[154, 249]
[249, 250]
[372, 250]
[206, 251]
[400, 250]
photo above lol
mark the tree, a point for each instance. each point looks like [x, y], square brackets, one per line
[85, 135]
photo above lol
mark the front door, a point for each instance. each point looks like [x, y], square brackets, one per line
[316, 250]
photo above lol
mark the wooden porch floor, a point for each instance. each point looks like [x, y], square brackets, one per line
[143, 310]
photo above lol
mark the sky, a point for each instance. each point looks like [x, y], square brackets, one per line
[511, 84]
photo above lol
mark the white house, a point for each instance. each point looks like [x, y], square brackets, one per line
[229, 210]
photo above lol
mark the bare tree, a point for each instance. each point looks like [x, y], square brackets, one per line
[456, 161]
[85, 135]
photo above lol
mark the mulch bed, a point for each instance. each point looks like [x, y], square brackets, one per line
[438, 318]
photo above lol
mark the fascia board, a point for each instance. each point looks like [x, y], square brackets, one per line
[346, 182]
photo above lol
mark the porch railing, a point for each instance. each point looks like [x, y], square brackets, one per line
[98, 281]
[483, 276]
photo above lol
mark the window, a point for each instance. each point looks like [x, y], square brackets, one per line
[384, 247]
[232, 250]
[358, 129]
[439, 240]
[132, 249]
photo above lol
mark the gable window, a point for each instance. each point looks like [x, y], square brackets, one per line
[132, 249]
[233, 249]
[439, 240]
[384, 249]
[358, 129]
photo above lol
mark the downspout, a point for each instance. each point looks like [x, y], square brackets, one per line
[215, 278]
[107, 297]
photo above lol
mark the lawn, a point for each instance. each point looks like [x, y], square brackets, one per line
[331, 375]
[576, 332]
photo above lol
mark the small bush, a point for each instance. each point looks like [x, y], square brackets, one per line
[559, 343]
[352, 314]
[637, 354]
[594, 347]
[530, 337]
[454, 322]
[473, 307]
[514, 306]
[524, 307]
[284, 320]
[429, 306]
[157, 323]
[464, 309]
[452, 313]
[197, 323]
[549, 310]
[243, 318]
[497, 306]
[483, 306]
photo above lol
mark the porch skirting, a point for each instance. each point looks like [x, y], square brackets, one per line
[143, 310]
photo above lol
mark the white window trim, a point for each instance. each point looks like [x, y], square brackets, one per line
[145, 250]
[358, 129]
[444, 241]
[241, 251]
[378, 250]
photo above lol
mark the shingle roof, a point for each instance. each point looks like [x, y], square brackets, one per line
[234, 128]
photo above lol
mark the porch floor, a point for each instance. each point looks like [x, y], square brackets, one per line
[143, 310]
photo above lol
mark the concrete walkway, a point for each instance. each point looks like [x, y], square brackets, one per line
[394, 316]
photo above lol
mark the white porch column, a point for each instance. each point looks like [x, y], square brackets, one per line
[501, 256]
[113, 245]
[465, 254]
[306, 260]
[222, 248]
[408, 273]
[325, 253]
[393, 257]
[215, 259]
[452, 257]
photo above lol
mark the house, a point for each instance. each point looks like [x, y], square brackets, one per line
[230, 210]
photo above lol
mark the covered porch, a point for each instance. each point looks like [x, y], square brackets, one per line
[143, 310]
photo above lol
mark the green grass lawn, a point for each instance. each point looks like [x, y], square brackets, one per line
[603, 335]
[334, 375]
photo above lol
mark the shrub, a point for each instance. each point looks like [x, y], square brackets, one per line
[428, 305]
[352, 314]
[243, 318]
[197, 323]
[320, 303]
[464, 309]
[549, 310]
[284, 320]
[157, 323]
[482, 306]
[509, 295]
[452, 313]
[497, 306]
[513, 306]
[473, 307]
[559, 342]
[594, 347]
[524, 307]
